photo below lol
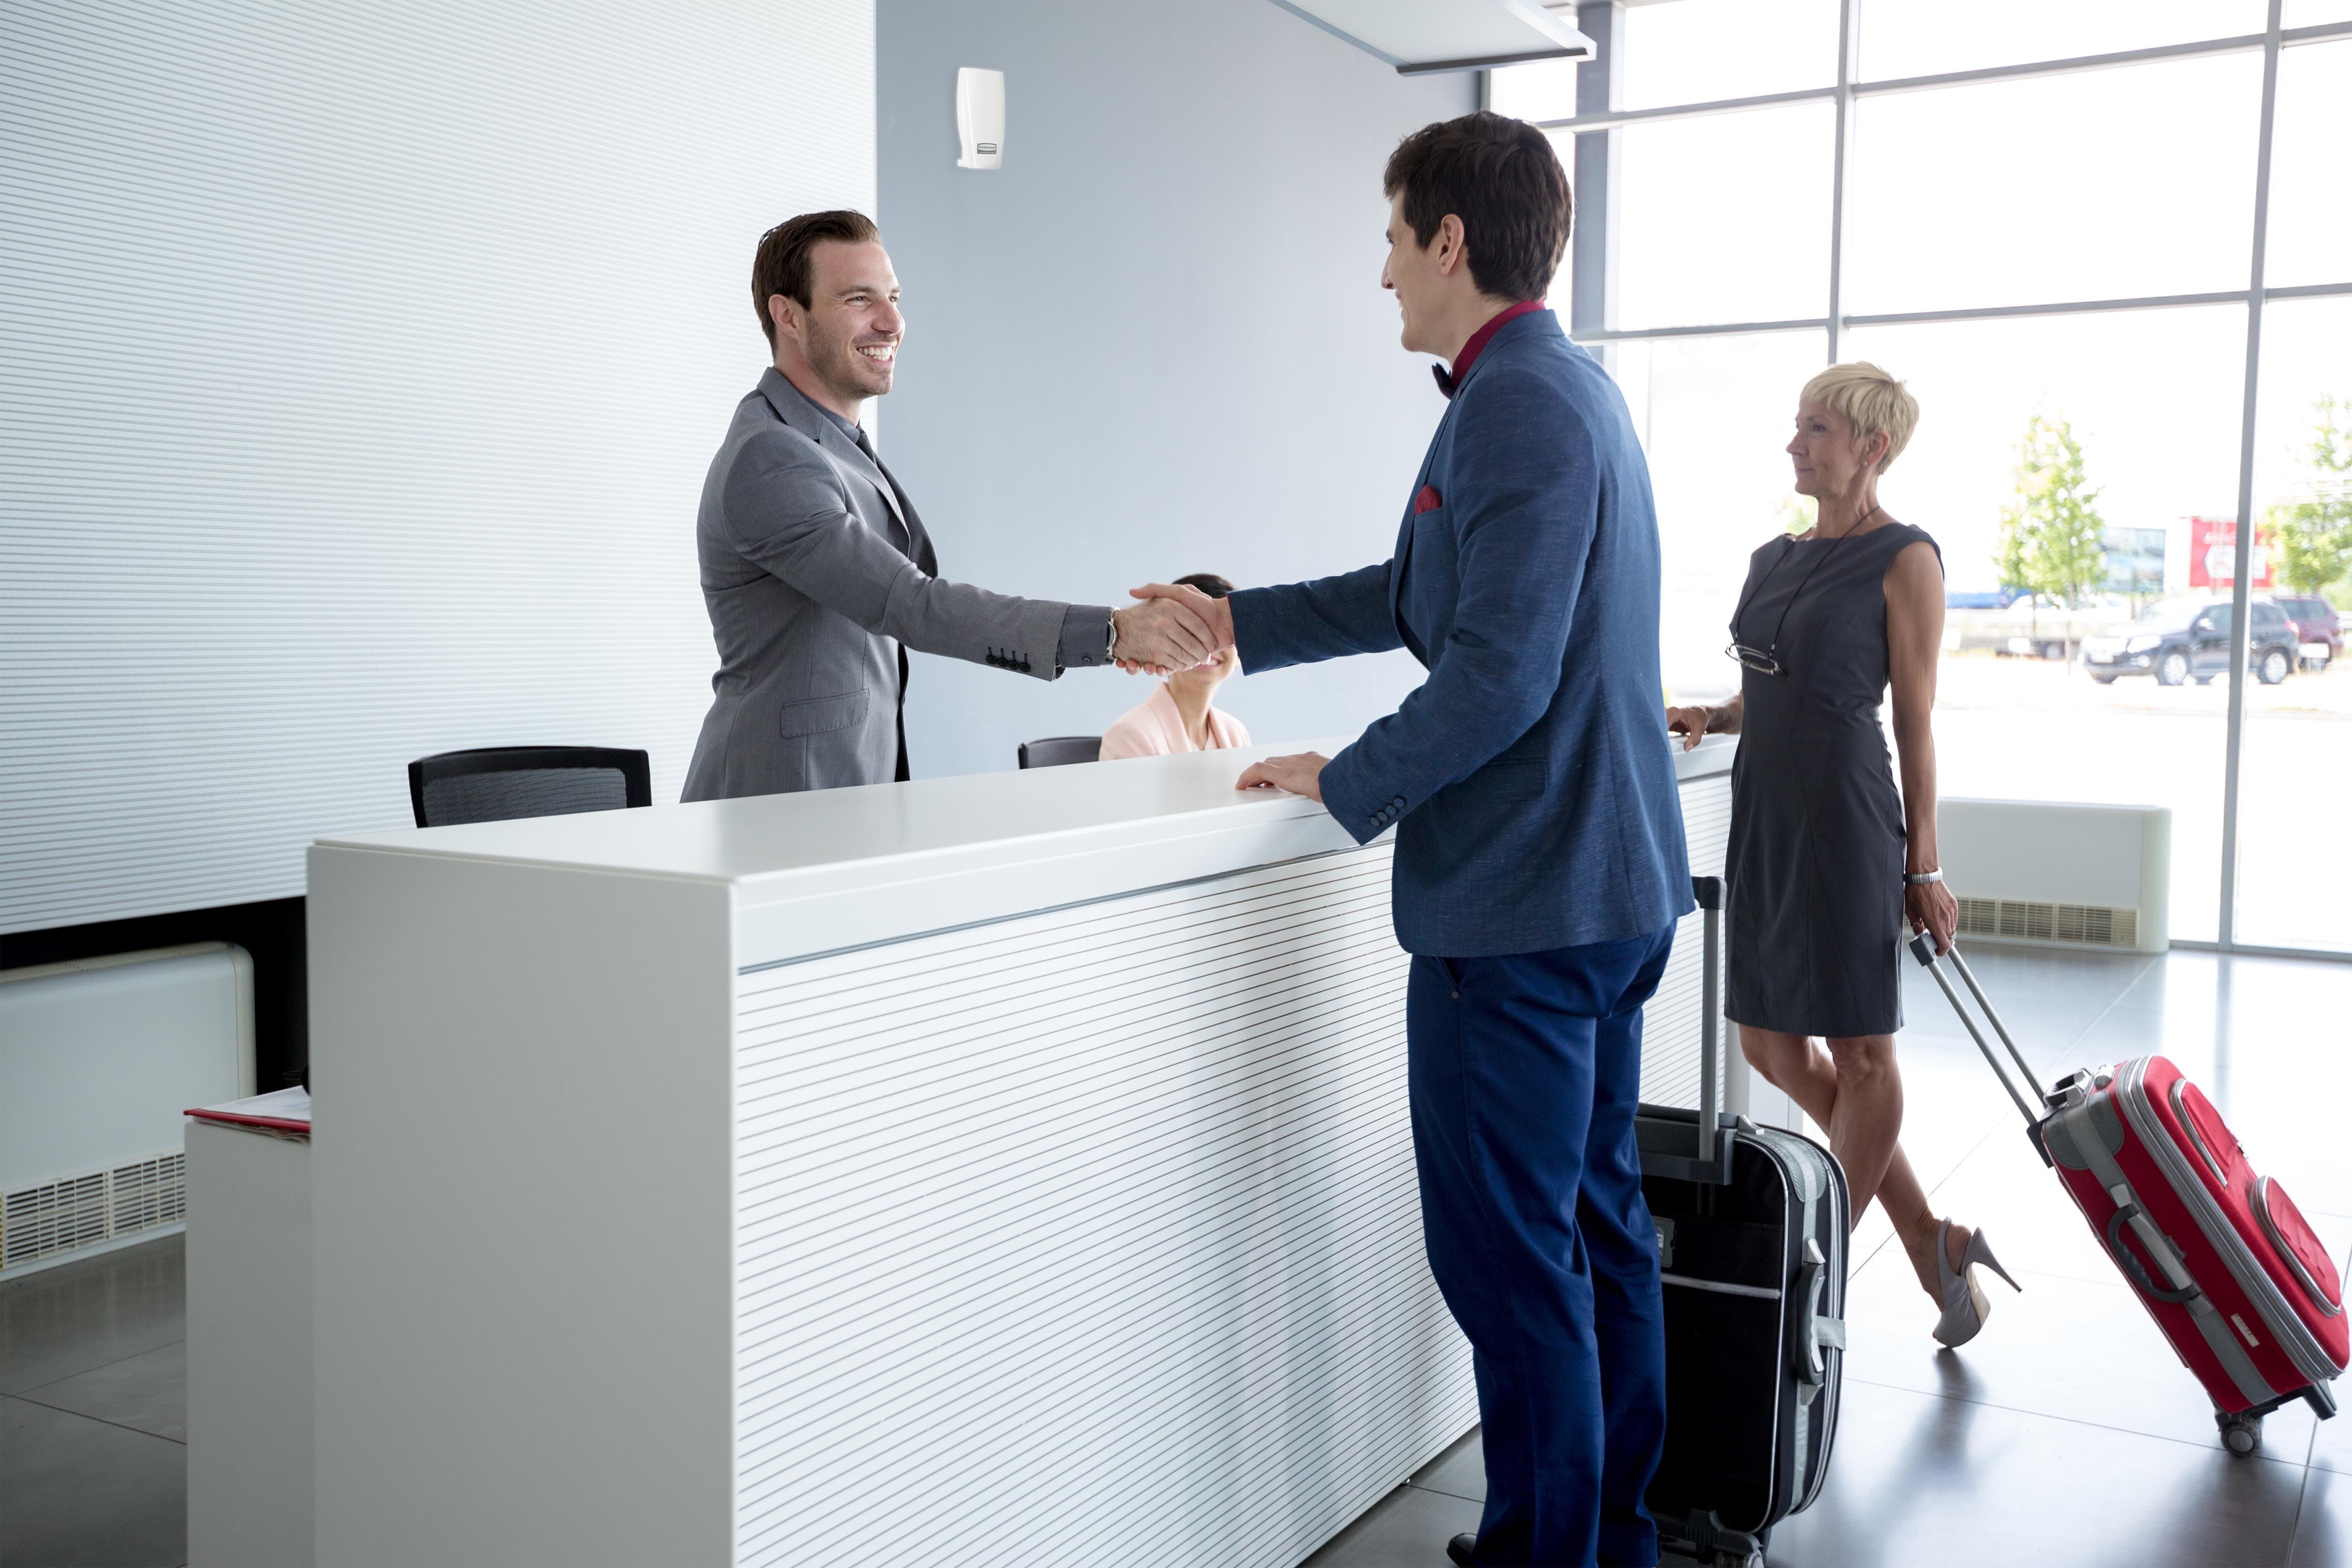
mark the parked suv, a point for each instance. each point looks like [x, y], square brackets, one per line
[2316, 628]
[2189, 639]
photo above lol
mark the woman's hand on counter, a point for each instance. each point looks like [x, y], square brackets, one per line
[1690, 723]
[1301, 774]
[1698, 719]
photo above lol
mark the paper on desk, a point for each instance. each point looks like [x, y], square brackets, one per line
[281, 1110]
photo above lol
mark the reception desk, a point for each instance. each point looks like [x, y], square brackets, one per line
[1003, 1169]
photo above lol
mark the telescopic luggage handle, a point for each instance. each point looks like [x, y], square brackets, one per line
[1923, 948]
[1706, 1158]
[1714, 1163]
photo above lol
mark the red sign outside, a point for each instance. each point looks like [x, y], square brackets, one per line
[2213, 554]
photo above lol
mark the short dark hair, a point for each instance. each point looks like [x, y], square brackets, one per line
[781, 264]
[1209, 582]
[1502, 179]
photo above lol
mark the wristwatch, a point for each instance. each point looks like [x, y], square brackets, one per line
[1921, 878]
[1110, 638]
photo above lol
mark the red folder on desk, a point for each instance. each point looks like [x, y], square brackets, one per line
[285, 1110]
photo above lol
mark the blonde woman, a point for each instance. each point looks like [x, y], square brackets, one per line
[1828, 862]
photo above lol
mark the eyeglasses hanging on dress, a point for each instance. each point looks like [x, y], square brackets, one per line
[1766, 660]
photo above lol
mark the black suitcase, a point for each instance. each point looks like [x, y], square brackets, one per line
[1752, 1249]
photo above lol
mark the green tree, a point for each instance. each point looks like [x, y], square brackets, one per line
[2052, 535]
[2314, 535]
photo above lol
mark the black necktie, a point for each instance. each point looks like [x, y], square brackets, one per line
[865, 447]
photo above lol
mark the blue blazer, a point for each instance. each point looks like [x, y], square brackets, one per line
[1529, 777]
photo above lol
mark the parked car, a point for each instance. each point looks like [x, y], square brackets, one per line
[2176, 640]
[2316, 628]
[2027, 627]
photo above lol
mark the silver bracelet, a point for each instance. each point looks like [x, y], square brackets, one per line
[1921, 878]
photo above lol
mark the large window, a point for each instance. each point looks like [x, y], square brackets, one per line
[2054, 247]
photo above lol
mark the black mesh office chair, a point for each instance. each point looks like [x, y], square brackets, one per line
[1060, 751]
[501, 783]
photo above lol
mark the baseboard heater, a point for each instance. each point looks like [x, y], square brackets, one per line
[2056, 874]
[98, 1059]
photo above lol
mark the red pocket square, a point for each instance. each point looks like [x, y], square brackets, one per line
[1427, 500]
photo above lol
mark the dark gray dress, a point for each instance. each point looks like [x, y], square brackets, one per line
[1814, 867]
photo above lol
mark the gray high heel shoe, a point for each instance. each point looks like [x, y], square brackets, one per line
[1965, 1306]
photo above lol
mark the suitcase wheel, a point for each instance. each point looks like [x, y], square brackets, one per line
[2239, 1434]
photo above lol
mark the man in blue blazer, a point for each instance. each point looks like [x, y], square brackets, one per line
[1540, 862]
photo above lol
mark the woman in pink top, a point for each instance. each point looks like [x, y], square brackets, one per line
[1178, 716]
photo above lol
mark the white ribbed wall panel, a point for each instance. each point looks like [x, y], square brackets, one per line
[1669, 1022]
[359, 369]
[1152, 1158]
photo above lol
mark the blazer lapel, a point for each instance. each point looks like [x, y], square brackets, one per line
[795, 410]
[1404, 539]
[918, 538]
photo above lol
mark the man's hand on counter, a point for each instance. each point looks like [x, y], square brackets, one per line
[1166, 632]
[1215, 617]
[1301, 774]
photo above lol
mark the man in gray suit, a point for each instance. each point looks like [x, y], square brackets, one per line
[817, 570]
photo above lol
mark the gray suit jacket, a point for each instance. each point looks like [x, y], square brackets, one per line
[815, 569]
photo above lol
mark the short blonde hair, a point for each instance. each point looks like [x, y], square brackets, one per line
[1871, 401]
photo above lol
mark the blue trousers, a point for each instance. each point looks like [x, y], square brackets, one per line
[1525, 1072]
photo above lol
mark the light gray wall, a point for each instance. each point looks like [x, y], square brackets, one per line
[1154, 342]
[359, 370]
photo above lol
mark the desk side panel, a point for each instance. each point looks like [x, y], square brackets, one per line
[249, 1393]
[1100, 1214]
[520, 1078]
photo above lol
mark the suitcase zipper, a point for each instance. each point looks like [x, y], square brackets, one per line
[2303, 1348]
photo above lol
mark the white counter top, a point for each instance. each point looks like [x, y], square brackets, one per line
[1138, 799]
[1071, 833]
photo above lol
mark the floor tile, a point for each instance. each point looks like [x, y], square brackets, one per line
[148, 1392]
[1407, 1529]
[2323, 1529]
[75, 1491]
[1460, 1471]
[1920, 1481]
[2074, 1349]
[78, 1316]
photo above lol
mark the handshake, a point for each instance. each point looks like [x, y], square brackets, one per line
[1175, 627]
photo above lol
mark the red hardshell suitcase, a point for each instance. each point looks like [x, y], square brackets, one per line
[2217, 1253]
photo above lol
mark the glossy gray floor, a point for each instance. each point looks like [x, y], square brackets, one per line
[93, 1413]
[2067, 1432]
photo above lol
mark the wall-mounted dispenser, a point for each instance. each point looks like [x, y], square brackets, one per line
[979, 118]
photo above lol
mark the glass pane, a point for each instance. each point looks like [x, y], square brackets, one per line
[2153, 401]
[1692, 51]
[2313, 12]
[1543, 90]
[2311, 220]
[1713, 414]
[1725, 219]
[2299, 735]
[1906, 38]
[1698, 51]
[2096, 185]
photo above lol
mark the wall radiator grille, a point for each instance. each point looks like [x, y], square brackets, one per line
[2092, 924]
[1154, 1156]
[81, 1211]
